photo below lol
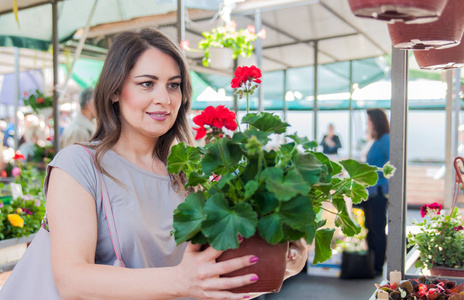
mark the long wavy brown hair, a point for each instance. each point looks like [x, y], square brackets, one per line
[122, 56]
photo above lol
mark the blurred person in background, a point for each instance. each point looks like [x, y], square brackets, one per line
[35, 133]
[331, 142]
[82, 126]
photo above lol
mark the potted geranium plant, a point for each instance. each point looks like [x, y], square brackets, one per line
[247, 189]
[37, 101]
[440, 241]
[224, 43]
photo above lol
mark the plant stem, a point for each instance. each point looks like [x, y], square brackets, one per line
[248, 104]
[225, 164]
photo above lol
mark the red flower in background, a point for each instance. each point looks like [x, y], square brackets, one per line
[19, 156]
[3, 174]
[185, 45]
[243, 74]
[215, 117]
[459, 228]
[40, 100]
[433, 206]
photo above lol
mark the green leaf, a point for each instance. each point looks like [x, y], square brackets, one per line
[181, 157]
[284, 188]
[333, 167]
[343, 219]
[224, 223]
[298, 212]
[287, 153]
[270, 228]
[361, 173]
[266, 202]
[188, 217]
[250, 188]
[357, 193]
[266, 122]
[195, 179]
[199, 238]
[291, 234]
[323, 241]
[261, 136]
[307, 144]
[225, 179]
[388, 170]
[309, 167]
[310, 233]
[213, 162]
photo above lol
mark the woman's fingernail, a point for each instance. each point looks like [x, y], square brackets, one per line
[246, 297]
[254, 259]
[240, 238]
[254, 278]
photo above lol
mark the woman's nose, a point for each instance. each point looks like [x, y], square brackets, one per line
[162, 96]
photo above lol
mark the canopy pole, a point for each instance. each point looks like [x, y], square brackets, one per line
[315, 106]
[259, 57]
[79, 48]
[396, 246]
[285, 94]
[449, 170]
[457, 109]
[16, 98]
[350, 153]
[56, 127]
[180, 21]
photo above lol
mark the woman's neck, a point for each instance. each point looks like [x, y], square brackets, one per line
[137, 151]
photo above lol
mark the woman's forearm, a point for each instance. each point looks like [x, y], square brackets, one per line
[90, 281]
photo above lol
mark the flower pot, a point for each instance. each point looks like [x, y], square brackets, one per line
[441, 59]
[447, 272]
[417, 11]
[220, 58]
[270, 267]
[443, 33]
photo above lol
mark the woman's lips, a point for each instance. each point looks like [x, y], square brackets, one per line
[158, 115]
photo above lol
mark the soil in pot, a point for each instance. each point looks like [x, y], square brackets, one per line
[270, 267]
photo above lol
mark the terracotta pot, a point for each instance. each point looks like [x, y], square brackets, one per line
[443, 33]
[417, 11]
[270, 267]
[221, 58]
[441, 59]
[447, 272]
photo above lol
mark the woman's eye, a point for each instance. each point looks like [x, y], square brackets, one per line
[174, 85]
[147, 84]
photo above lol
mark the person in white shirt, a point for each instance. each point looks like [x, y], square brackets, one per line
[82, 126]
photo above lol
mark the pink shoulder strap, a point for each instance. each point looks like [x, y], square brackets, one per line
[109, 217]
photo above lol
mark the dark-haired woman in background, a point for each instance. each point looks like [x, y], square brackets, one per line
[375, 208]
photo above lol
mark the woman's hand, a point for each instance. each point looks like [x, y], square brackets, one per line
[297, 257]
[199, 274]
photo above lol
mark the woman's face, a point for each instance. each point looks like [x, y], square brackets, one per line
[151, 95]
[370, 125]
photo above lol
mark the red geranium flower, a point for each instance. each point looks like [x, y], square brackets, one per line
[217, 117]
[40, 100]
[243, 74]
[459, 228]
[433, 206]
[19, 156]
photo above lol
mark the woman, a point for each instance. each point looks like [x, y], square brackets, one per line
[141, 102]
[375, 207]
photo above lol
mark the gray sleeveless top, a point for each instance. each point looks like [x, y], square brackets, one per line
[143, 209]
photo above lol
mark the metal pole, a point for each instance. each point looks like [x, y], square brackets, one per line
[457, 109]
[56, 127]
[259, 57]
[396, 244]
[180, 20]
[16, 99]
[448, 141]
[315, 108]
[285, 94]
[350, 144]
[235, 95]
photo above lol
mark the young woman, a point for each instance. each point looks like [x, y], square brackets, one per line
[375, 207]
[141, 103]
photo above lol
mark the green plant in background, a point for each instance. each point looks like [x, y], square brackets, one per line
[22, 217]
[246, 186]
[31, 179]
[37, 100]
[446, 251]
[229, 37]
[356, 243]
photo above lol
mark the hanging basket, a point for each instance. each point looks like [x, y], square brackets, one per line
[442, 59]
[411, 11]
[221, 58]
[446, 272]
[444, 33]
[270, 267]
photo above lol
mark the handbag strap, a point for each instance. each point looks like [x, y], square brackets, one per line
[109, 216]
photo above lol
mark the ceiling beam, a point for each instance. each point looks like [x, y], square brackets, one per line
[249, 8]
[311, 41]
[359, 30]
[10, 10]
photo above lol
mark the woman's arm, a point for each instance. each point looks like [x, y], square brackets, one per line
[72, 218]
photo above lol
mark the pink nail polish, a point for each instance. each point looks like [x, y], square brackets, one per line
[254, 278]
[246, 297]
[254, 259]
[240, 238]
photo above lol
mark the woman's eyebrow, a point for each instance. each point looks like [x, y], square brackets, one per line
[156, 78]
